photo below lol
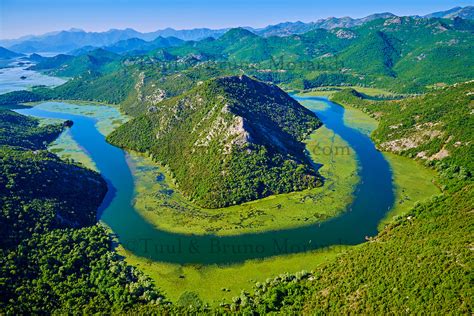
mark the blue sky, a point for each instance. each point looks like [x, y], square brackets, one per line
[22, 17]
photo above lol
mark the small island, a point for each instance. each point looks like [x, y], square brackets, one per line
[68, 123]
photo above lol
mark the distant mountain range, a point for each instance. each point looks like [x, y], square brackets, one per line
[8, 54]
[133, 45]
[464, 13]
[76, 40]
[289, 28]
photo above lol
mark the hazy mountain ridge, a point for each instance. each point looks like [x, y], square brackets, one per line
[66, 41]
[406, 55]
[8, 54]
[290, 28]
[463, 13]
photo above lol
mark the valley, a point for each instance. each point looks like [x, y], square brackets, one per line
[141, 186]
[299, 168]
[118, 217]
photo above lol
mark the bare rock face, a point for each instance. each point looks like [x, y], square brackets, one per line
[396, 20]
[345, 34]
[244, 111]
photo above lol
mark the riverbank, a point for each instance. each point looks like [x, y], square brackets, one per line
[327, 91]
[176, 278]
[413, 182]
[216, 283]
[65, 146]
[157, 199]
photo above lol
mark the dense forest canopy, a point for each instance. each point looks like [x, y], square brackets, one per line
[55, 257]
[53, 254]
[229, 140]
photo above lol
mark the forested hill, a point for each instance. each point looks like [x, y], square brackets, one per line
[436, 128]
[400, 54]
[53, 255]
[227, 141]
[421, 262]
[38, 191]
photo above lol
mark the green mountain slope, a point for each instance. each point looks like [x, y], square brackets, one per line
[375, 54]
[20, 131]
[239, 45]
[436, 128]
[49, 63]
[113, 88]
[227, 141]
[445, 61]
[400, 54]
[35, 193]
[53, 255]
[422, 261]
[98, 60]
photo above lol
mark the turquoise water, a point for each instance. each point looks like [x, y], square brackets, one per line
[373, 198]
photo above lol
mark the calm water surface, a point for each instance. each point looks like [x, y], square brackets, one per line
[373, 198]
[10, 78]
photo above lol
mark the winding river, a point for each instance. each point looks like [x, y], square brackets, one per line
[373, 198]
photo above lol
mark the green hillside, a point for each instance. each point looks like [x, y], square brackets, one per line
[404, 55]
[421, 262]
[98, 60]
[436, 128]
[53, 255]
[27, 132]
[113, 88]
[375, 54]
[227, 141]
